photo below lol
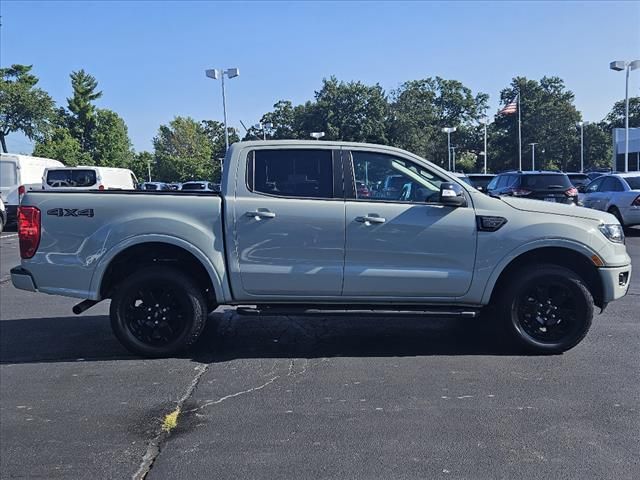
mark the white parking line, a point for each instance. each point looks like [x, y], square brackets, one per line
[8, 236]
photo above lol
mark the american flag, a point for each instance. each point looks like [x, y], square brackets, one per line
[510, 108]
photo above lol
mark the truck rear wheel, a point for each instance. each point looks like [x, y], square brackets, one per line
[158, 311]
[546, 309]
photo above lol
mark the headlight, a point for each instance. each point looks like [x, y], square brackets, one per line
[613, 232]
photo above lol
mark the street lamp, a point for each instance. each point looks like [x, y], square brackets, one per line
[449, 131]
[230, 73]
[453, 152]
[485, 121]
[618, 66]
[265, 127]
[533, 155]
[580, 125]
[317, 135]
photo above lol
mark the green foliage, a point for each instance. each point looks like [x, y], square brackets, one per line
[214, 131]
[82, 121]
[466, 162]
[61, 145]
[23, 107]
[597, 145]
[183, 151]
[615, 118]
[549, 118]
[140, 165]
[109, 143]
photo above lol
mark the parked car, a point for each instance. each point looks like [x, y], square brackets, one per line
[597, 172]
[480, 180]
[154, 186]
[542, 185]
[463, 177]
[618, 194]
[3, 216]
[290, 232]
[19, 173]
[196, 185]
[578, 179]
[88, 178]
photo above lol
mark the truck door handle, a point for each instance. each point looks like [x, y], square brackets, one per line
[258, 214]
[369, 220]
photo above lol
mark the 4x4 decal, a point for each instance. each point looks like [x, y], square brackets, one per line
[70, 212]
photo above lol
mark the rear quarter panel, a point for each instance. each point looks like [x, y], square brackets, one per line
[75, 251]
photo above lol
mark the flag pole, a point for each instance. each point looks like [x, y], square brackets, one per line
[519, 134]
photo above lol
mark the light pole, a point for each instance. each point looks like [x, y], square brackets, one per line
[485, 121]
[618, 66]
[149, 169]
[453, 153]
[317, 135]
[580, 125]
[533, 155]
[265, 127]
[230, 73]
[449, 131]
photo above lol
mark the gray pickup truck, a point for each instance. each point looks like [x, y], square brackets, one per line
[309, 226]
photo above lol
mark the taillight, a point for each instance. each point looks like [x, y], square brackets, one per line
[28, 230]
[636, 202]
[520, 192]
[101, 187]
[572, 192]
[21, 191]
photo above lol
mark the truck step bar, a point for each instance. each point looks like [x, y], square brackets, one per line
[386, 310]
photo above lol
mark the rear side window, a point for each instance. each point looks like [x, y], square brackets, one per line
[71, 178]
[634, 182]
[8, 175]
[543, 182]
[291, 173]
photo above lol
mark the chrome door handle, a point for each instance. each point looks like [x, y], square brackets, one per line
[258, 214]
[367, 220]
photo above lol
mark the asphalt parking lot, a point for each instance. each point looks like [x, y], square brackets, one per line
[334, 397]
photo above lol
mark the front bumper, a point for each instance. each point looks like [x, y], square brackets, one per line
[22, 279]
[615, 282]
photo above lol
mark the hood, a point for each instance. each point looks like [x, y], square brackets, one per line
[540, 206]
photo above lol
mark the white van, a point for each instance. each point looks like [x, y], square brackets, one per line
[88, 178]
[19, 173]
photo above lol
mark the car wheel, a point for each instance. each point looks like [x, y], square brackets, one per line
[547, 309]
[158, 312]
[616, 213]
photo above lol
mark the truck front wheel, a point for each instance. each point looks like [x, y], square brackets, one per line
[546, 308]
[158, 311]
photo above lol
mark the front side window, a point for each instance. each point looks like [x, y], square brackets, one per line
[384, 177]
[593, 186]
[71, 178]
[291, 173]
[611, 184]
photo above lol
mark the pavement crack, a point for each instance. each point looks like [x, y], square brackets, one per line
[169, 422]
[233, 395]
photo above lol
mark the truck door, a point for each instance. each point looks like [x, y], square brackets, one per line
[400, 242]
[289, 227]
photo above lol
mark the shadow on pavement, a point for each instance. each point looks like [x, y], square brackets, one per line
[232, 336]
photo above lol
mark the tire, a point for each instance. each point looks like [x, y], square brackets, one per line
[546, 309]
[158, 312]
[616, 213]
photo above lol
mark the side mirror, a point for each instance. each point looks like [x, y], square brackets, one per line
[451, 194]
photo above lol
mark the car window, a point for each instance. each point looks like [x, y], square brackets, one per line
[493, 183]
[383, 177]
[611, 184]
[291, 173]
[633, 182]
[8, 175]
[542, 181]
[578, 179]
[71, 178]
[593, 186]
[503, 181]
[193, 186]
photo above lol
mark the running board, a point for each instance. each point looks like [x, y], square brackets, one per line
[439, 312]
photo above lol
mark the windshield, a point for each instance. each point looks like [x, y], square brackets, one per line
[193, 186]
[634, 182]
[150, 186]
[8, 175]
[71, 178]
[542, 181]
[578, 179]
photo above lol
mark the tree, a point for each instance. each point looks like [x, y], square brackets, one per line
[109, 143]
[597, 145]
[183, 151]
[615, 118]
[61, 145]
[466, 162]
[214, 131]
[143, 165]
[420, 109]
[549, 119]
[23, 107]
[82, 121]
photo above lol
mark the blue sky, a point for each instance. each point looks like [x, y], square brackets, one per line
[149, 57]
